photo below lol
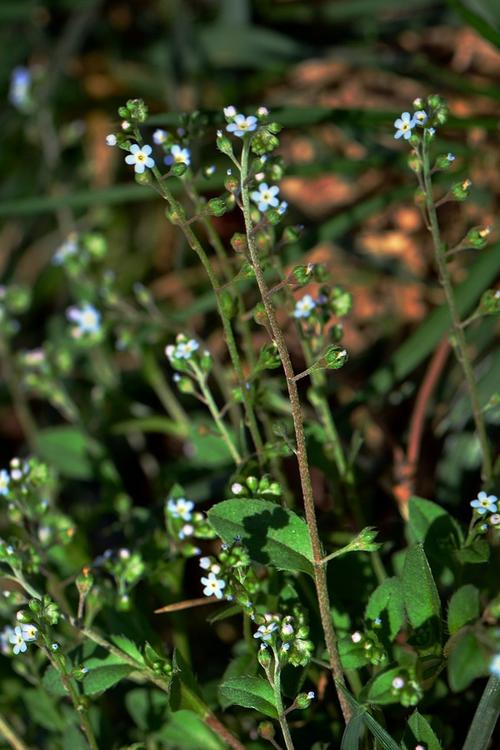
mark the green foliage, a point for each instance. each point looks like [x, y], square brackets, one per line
[250, 692]
[272, 534]
[463, 608]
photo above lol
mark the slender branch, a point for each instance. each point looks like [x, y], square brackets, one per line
[11, 737]
[216, 415]
[459, 336]
[301, 451]
[275, 680]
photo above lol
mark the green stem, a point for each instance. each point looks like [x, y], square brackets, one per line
[301, 451]
[214, 411]
[276, 685]
[157, 381]
[460, 347]
[77, 701]
[11, 737]
[486, 716]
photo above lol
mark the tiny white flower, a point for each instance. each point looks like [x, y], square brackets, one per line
[213, 586]
[4, 482]
[229, 112]
[494, 667]
[242, 125]
[123, 553]
[398, 683]
[111, 139]
[266, 196]
[29, 631]
[18, 641]
[185, 349]
[356, 637]
[205, 563]
[262, 111]
[160, 136]
[420, 117]
[187, 530]
[485, 503]
[304, 307]
[236, 488]
[180, 508]
[178, 155]
[140, 158]
[265, 632]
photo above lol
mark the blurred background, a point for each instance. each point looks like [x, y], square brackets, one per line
[336, 74]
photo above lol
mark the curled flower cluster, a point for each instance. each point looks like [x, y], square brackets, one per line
[230, 576]
[286, 637]
[252, 486]
[184, 524]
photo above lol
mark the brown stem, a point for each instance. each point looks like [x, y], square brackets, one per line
[301, 450]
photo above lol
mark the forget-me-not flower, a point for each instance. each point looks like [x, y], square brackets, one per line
[18, 641]
[266, 197]
[178, 155]
[404, 125]
[111, 139]
[68, 248]
[185, 349]
[160, 136]
[86, 318]
[485, 503]
[180, 508]
[242, 125]
[304, 307]
[420, 117]
[265, 632]
[140, 158]
[213, 586]
[4, 482]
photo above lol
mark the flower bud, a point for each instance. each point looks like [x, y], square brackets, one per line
[335, 357]
[461, 190]
[264, 657]
[239, 243]
[224, 144]
[477, 236]
[303, 700]
[217, 206]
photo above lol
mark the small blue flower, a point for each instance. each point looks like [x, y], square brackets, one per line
[180, 508]
[111, 139]
[4, 482]
[18, 641]
[205, 563]
[266, 197]
[451, 157]
[282, 208]
[420, 117]
[265, 632]
[404, 125]
[66, 250]
[187, 530]
[185, 349]
[20, 84]
[213, 586]
[86, 318]
[431, 131]
[160, 136]
[242, 125]
[178, 155]
[140, 158]
[230, 112]
[485, 503]
[30, 632]
[304, 307]
[495, 666]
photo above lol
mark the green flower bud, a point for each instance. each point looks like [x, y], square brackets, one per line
[276, 172]
[136, 110]
[264, 657]
[84, 582]
[340, 301]
[224, 144]
[303, 274]
[461, 190]
[274, 127]
[95, 244]
[273, 216]
[335, 357]
[239, 243]
[176, 215]
[266, 730]
[490, 302]
[303, 701]
[264, 141]
[228, 304]
[217, 206]
[414, 163]
[177, 170]
[231, 184]
[143, 179]
[444, 161]
[477, 236]
[269, 357]
[252, 483]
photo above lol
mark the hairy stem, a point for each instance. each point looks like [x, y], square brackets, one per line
[216, 415]
[460, 344]
[301, 451]
[275, 680]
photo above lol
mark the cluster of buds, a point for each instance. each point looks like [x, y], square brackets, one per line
[284, 638]
[77, 253]
[490, 302]
[406, 689]
[15, 299]
[184, 524]
[368, 647]
[230, 576]
[28, 487]
[157, 663]
[264, 488]
[126, 568]
[42, 371]
[302, 275]
[186, 357]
